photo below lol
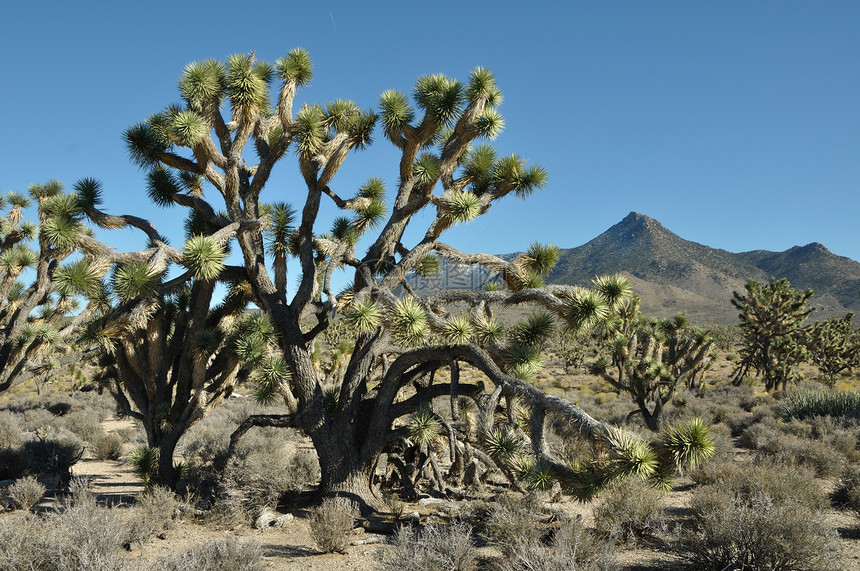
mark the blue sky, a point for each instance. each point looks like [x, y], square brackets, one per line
[736, 124]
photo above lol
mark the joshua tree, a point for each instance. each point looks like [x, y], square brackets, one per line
[407, 350]
[645, 358]
[834, 346]
[35, 317]
[772, 317]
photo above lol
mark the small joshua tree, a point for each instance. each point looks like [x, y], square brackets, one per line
[645, 358]
[834, 346]
[772, 323]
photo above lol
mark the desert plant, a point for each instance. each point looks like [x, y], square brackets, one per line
[105, 446]
[153, 514]
[26, 492]
[10, 429]
[834, 346]
[812, 403]
[513, 520]
[773, 335]
[331, 524]
[215, 555]
[628, 510]
[572, 548]
[752, 529]
[432, 548]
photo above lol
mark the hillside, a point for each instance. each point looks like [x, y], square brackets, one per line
[672, 274]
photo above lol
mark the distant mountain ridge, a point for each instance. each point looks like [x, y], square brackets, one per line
[671, 274]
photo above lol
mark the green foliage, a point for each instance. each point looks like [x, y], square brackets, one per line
[144, 460]
[408, 322]
[204, 257]
[689, 443]
[808, 404]
[424, 427]
[364, 316]
[502, 444]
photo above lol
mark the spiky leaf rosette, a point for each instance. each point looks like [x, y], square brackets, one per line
[89, 192]
[144, 460]
[440, 96]
[541, 476]
[461, 207]
[688, 443]
[409, 322]
[131, 281]
[246, 87]
[541, 258]
[488, 330]
[430, 266]
[296, 66]
[585, 309]
[615, 289]
[17, 258]
[281, 218]
[369, 216]
[396, 113]
[204, 257]
[424, 427]
[478, 166]
[189, 128]
[271, 378]
[78, 278]
[373, 189]
[331, 398]
[161, 186]
[426, 169]
[523, 362]
[458, 329]
[144, 144]
[309, 130]
[363, 316]
[535, 331]
[631, 455]
[201, 83]
[502, 444]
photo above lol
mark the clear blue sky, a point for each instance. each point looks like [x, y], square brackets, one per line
[736, 124]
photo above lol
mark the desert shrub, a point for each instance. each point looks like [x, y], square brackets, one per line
[749, 528]
[258, 476]
[433, 548]
[33, 419]
[513, 520]
[792, 451]
[847, 492]
[105, 446]
[153, 514]
[810, 403]
[10, 429]
[627, 510]
[82, 536]
[331, 524]
[219, 555]
[26, 492]
[82, 424]
[572, 548]
[798, 484]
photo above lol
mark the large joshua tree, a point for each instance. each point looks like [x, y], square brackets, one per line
[236, 123]
[35, 320]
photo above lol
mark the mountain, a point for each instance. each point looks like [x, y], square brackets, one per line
[671, 274]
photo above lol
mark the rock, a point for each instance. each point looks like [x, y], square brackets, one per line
[411, 518]
[269, 519]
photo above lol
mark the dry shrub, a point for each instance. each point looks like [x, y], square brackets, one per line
[768, 440]
[152, 515]
[105, 446]
[433, 548]
[10, 429]
[758, 517]
[628, 510]
[331, 524]
[572, 548]
[82, 424]
[26, 492]
[219, 555]
[513, 520]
